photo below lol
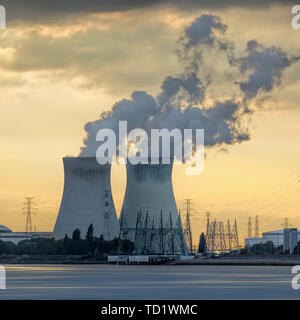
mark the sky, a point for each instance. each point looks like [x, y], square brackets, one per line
[64, 63]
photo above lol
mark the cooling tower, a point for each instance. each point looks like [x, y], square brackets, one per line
[86, 200]
[149, 204]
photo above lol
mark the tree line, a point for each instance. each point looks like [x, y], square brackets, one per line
[90, 245]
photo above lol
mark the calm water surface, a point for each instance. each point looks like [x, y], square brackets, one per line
[148, 282]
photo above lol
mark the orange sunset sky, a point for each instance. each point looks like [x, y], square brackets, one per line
[59, 71]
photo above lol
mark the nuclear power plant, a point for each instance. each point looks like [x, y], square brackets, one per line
[149, 215]
[87, 199]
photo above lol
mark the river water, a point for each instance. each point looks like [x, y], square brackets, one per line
[148, 282]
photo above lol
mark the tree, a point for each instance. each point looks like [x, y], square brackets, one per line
[89, 235]
[269, 247]
[97, 254]
[66, 239]
[76, 234]
[202, 243]
[297, 248]
[257, 248]
[127, 246]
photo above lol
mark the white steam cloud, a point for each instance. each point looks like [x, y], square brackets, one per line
[182, 102]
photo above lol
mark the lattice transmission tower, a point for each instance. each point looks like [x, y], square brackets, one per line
[286, 223]
[256, 226]
[249, 228]
[28, 210]
[188, 208]
[220, 238]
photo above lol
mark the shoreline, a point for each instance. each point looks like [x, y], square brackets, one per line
[250, 261]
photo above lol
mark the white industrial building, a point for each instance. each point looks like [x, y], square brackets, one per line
[251, 241]
[8, 235]
[277, 237]
[86, 200]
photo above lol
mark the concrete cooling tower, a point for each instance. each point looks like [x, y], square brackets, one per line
[149, 215]
[86, 200]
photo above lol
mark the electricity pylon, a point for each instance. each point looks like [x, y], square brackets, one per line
[249, 228]
[188, 207]
[28, 211]
[256, 226]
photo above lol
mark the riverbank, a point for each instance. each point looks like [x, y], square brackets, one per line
[50, 259]
[247, 261]
[83, 259]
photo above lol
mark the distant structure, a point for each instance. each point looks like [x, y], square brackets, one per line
[207, 222]
[9, 236]
[188, 208]
[249, 242]
[220, 238]
[249, 228]
[87, 199]
[256, 226]
[275, 236]
[156, 238]
[290, 239]
[28, 211]
[149, 204]
[286, 223]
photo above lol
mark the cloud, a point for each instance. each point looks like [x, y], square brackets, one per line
[181, 103]
[49, 11]
[136, 111]
[202, 31]
[186, 83]
[264, 67]
[114, 60]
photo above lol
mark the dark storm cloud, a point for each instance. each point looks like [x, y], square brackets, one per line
[47, 10]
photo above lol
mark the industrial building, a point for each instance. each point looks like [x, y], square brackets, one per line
[287, 237]
[275, 236]
[149, 215]
[8, 235]
[251, 241]
[87, 199]
[290, 239]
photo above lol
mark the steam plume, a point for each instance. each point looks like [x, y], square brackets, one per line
[182, 102]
